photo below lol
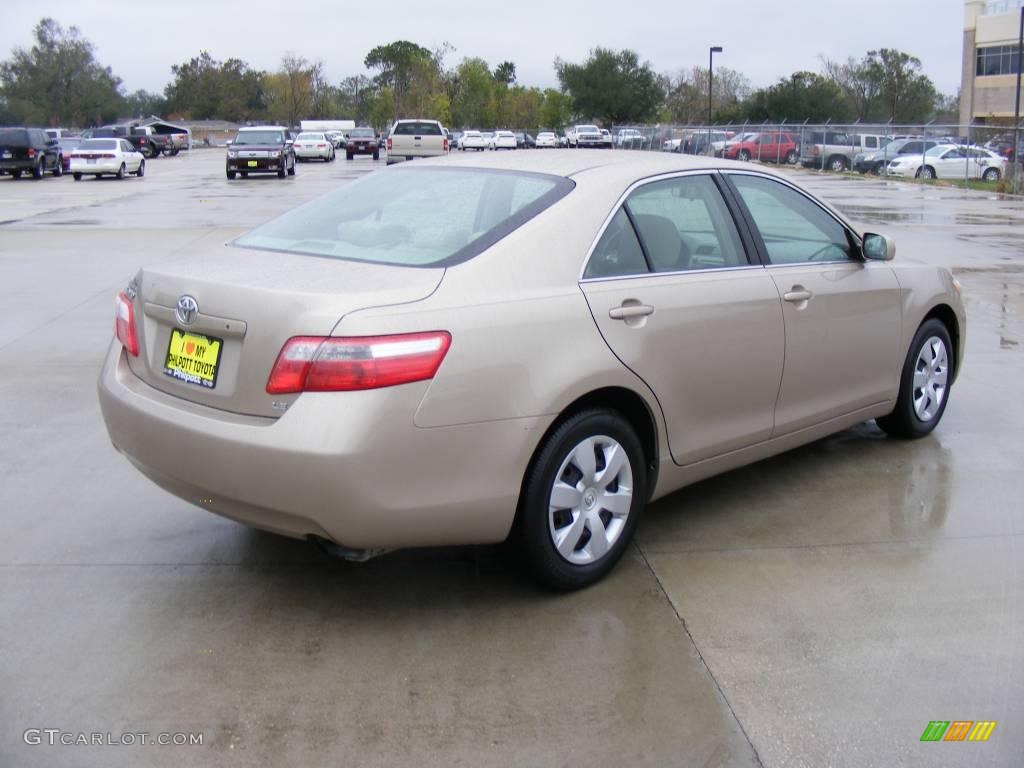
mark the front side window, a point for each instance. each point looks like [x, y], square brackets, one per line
[394, 217]
[794, 229]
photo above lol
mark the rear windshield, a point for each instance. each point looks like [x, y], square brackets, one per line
[311, 137]
[361, 133]
[259, 137]
[14, 138]
[98, 144]
[417, 129]
[419, 217]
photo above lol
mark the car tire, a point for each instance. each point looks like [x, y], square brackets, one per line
[37, 169]
[231, 174]
[927, 172]
[574, 457]
[282, 170]
[76, 176]
[925, 383]
[791, 157]
[348, 156]
[376, 156]
[990, 174]
[878, 168]
[291, 168]
[174, 152]
[58, 169]
[837, 164]
[120, 172]
[743, 156]
[16, 174]
[142, 169]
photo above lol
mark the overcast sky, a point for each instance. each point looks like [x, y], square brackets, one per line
[764, 39]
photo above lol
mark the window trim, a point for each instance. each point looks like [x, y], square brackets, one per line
[856, 241]
[715, 176]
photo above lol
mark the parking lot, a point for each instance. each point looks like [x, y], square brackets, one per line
[816, 609]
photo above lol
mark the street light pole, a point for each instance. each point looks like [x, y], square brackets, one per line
[1018, 161]
[711, 62]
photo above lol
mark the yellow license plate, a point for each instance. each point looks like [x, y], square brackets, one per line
[253, 163]
[193, 358]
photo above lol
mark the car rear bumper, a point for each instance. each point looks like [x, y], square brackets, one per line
[350, 467]
[17, 165]
[100, 166]
[362, 150]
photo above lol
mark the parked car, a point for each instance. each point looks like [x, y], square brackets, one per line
[361, 141]
[149, 144]
[704, 142]
[737, 139]
[585, 136]
[29, 150]
[386, 340]
[876, 162]
[838, 152]
[1003, 146]
[410, 139]
[261, 149]
[503, 140]
[671, 145]
[547, 140]
[630, 138]
[768, 147]
[106, 157]
[948, 161]
[67, 144]
[337, 138]
[473, 140]
[313, 146]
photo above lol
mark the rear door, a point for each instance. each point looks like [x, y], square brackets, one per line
[676, 299]
[842, 313]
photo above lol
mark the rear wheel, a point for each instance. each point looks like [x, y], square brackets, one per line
[376, 156]
[77, 176]
[291, 168]
[924, 383]
[58, 169]
[791, 157]
[348, 156]
[991, 174]
[878, 168]
[37, 170]
[744, 155]
[120, 172]
[837, 164]
[583, 495]
[142, 169]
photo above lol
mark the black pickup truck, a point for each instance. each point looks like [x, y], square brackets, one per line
[149, 143]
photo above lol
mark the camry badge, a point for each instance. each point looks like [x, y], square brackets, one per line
[187, 310]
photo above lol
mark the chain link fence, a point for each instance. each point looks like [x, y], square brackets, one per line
[839, 147]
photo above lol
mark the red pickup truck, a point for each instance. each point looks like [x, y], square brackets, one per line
[768, 147]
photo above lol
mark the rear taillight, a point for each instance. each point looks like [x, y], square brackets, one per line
[446, 145]
[341, 364]
[124, 324]
[31, 152]
[816, 150]
[389, 143]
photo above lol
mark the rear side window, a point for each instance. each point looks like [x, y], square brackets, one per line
[417, 129]
[14, 138]
[416, 217]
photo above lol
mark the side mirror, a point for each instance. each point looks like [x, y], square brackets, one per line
[878, 247]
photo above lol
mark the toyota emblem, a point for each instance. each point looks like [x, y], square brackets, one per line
[187, 310]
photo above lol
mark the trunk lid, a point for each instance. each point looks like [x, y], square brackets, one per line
[253, 301]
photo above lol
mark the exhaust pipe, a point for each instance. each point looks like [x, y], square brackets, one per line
[346, 553]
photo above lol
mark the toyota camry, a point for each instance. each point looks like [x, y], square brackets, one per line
[477, 348]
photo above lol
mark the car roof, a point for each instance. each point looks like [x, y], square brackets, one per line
[262, 128]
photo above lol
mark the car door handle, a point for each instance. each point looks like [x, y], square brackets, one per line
[627, 311]
[797, 295]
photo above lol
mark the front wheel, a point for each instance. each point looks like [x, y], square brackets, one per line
[924, 383]
[142, 169]
[837, 164]
[791, 157]
[582, 498]
[925, 173]
[231, 174]
[291, 168]
[58, 169]
[744, 155]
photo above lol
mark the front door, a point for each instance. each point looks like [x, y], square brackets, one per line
[842, 313]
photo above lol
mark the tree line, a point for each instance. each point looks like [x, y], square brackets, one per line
[58, 81]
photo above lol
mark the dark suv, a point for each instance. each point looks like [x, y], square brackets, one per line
[28, 150]
[261, 149]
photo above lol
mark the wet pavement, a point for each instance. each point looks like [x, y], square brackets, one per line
[818, 608]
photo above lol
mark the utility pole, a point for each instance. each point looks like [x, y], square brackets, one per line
[711, 62]
[1018, 161]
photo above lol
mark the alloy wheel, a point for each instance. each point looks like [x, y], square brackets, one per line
[931, 376]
